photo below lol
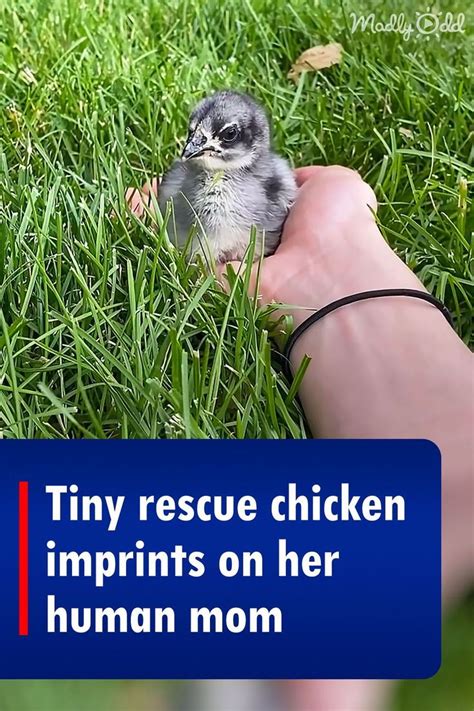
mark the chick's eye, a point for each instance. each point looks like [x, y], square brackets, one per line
[229, 134]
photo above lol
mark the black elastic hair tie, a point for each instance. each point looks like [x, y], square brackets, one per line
[362, 296]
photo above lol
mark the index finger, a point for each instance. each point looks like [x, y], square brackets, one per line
[304, 174]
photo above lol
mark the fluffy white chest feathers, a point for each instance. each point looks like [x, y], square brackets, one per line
[222, 215]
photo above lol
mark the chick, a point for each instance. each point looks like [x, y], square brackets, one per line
[227, 181]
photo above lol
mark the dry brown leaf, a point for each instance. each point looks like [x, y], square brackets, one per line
[316, 58]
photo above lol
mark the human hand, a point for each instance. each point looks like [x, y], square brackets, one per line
[331, 245]
[140, 200]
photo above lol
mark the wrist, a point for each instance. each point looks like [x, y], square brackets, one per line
[352, 269]
[372, 295]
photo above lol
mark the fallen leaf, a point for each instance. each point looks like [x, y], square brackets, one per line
[316, 58]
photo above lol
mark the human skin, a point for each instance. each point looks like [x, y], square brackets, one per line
[385, 368]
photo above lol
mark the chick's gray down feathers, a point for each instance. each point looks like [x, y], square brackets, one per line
[228, 181]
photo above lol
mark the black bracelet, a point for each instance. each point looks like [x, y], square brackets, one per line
[362, 296]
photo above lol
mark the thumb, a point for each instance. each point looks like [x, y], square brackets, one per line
[222, 273]
[225, 272]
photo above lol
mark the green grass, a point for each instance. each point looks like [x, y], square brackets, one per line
[105, 331]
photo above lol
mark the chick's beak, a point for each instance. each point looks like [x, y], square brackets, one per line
[195, 146]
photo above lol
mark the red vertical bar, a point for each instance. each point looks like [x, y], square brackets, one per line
[23, 558]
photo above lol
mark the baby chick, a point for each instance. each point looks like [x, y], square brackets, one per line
[227, 181]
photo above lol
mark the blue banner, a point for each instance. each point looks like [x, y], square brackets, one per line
[220, 559]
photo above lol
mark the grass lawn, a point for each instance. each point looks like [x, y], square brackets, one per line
[106, 331]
